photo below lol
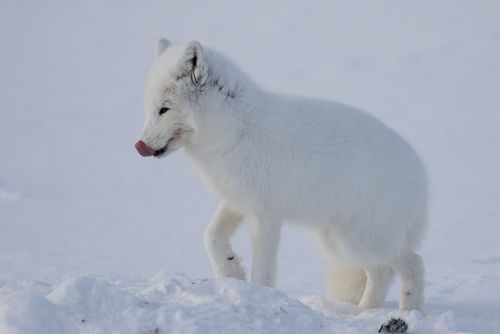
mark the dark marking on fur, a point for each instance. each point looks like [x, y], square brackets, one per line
[408, 293]
[201, 86]
[228, 93]
[181, 76]
[194, 80]
[217, 85]
[194, 61]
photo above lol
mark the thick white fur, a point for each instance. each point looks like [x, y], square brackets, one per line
[274, 158]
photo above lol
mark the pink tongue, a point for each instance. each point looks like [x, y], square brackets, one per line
[144, 149]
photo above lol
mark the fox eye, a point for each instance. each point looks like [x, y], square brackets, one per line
[164, 110]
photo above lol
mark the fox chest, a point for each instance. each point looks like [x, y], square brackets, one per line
[237, 185]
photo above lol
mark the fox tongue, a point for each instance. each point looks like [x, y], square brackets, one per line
[144, 149]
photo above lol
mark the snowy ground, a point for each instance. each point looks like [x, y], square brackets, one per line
[94, 239]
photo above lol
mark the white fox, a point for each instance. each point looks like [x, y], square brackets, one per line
[274, 158]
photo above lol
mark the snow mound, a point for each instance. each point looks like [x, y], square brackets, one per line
[178, 304]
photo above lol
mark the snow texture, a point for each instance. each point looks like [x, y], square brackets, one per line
[177, 304]
[86, 224]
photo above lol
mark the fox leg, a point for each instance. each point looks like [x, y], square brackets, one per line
[225, 262]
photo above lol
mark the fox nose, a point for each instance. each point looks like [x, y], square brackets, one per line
[144, 149]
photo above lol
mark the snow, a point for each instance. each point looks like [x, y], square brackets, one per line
[177, 304]
[91, 231]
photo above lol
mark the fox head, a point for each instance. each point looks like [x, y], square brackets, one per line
[173, 87]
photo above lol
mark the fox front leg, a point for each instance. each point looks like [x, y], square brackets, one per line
[265, 243]
[225, 262]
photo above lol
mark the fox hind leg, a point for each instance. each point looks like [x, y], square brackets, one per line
[344, 282]
[378, 280]
[411, 271]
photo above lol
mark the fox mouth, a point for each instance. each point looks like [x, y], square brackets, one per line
[146, 151]
[162, 151]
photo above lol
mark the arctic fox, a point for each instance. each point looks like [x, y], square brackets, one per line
[273, 158]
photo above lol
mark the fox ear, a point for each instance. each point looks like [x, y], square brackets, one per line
[193, 64]
[161, 45]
